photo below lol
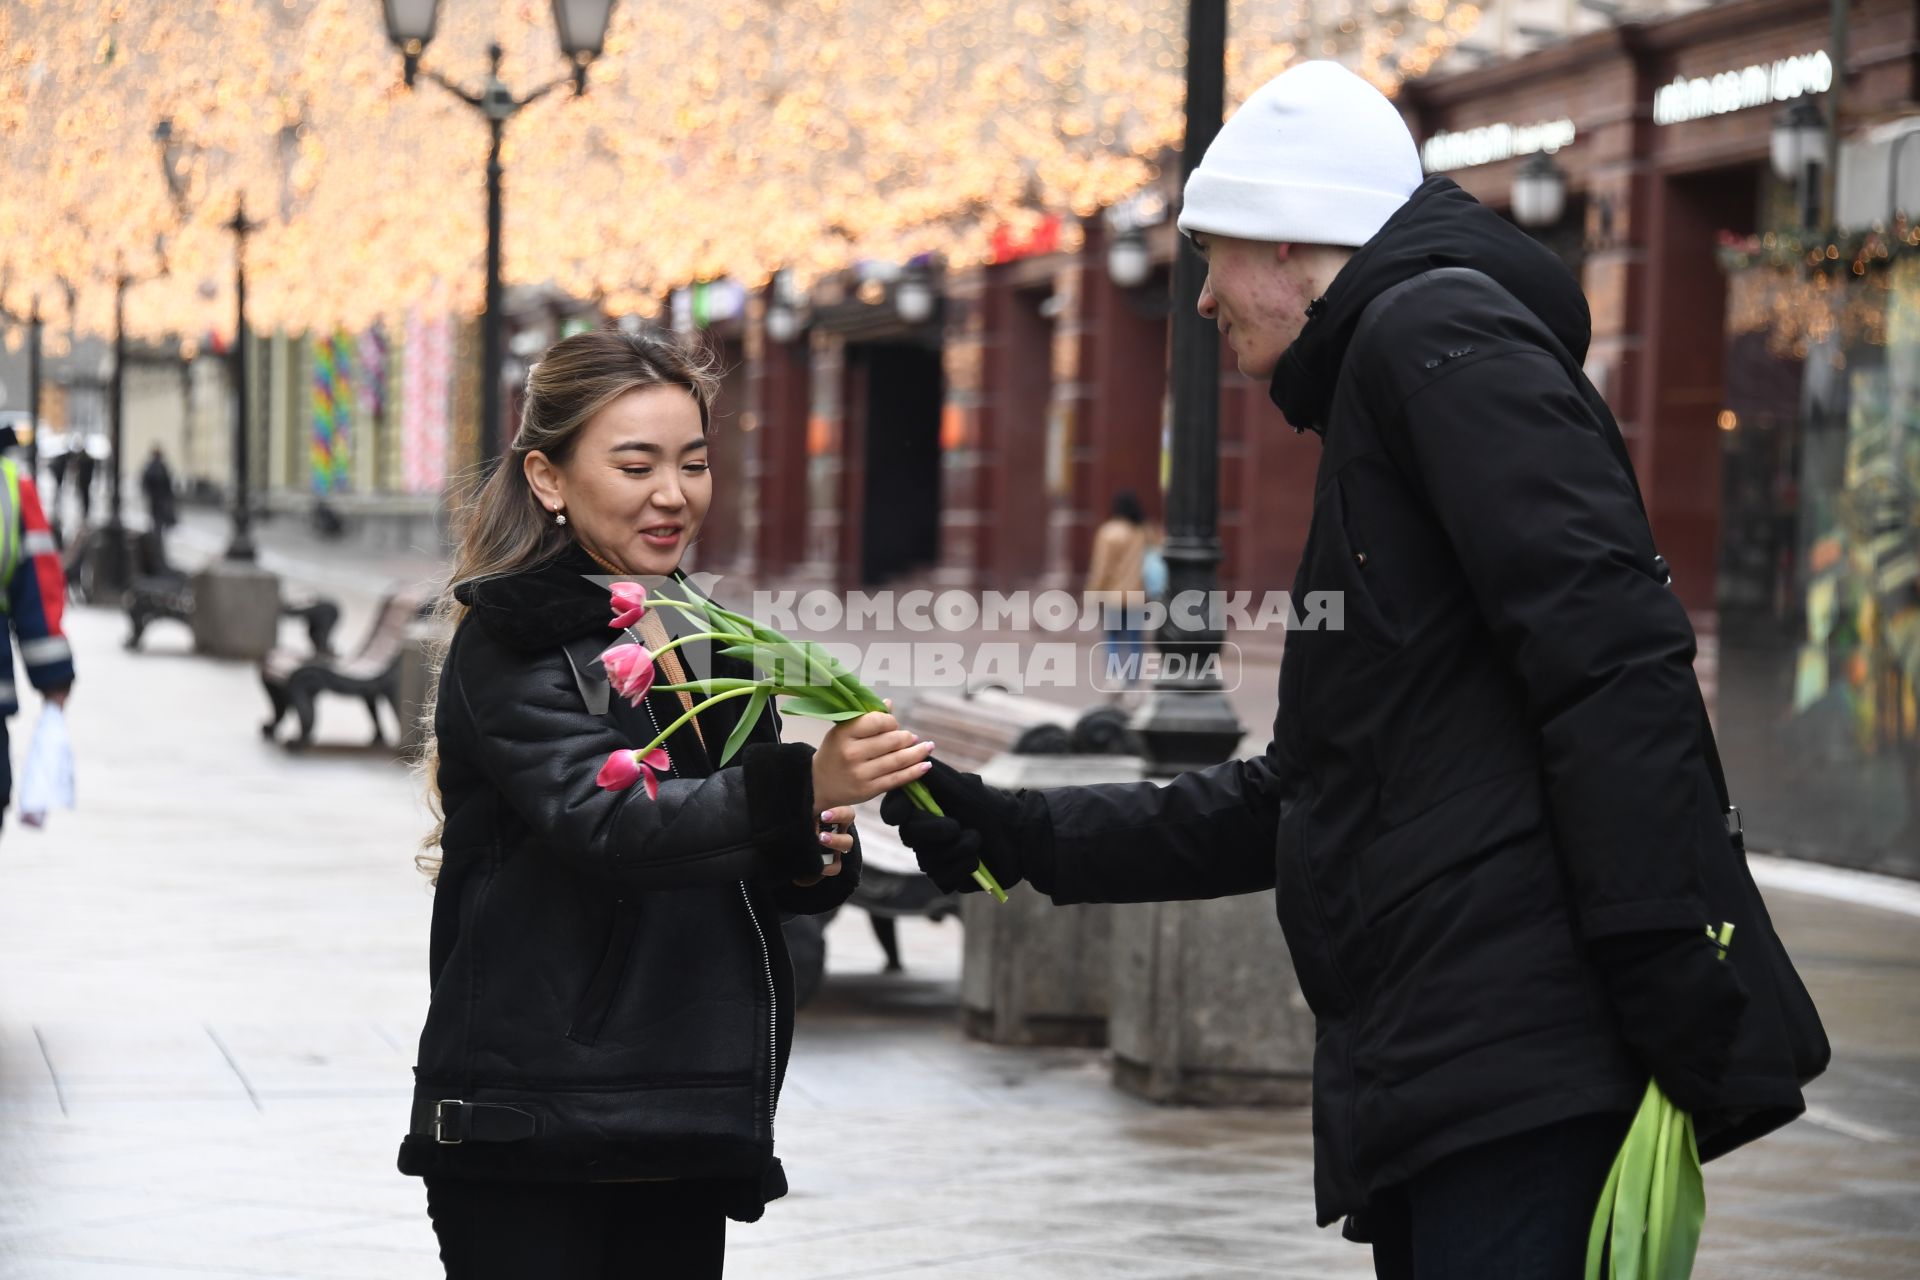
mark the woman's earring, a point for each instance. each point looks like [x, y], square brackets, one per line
[559, 517]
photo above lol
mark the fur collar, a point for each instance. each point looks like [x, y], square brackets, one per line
[544, 605]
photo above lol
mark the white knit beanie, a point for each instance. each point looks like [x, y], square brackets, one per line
[1316, 156]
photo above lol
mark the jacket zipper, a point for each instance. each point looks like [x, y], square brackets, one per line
[773, 1009]
[766, 963]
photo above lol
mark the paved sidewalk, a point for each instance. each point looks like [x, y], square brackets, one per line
[211, 976]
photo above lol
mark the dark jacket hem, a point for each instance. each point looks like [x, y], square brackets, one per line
[745, 1178]
[1522, 1117]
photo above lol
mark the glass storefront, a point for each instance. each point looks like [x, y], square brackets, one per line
[1820, 551]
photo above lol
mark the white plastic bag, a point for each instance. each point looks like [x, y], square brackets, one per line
[46, 781]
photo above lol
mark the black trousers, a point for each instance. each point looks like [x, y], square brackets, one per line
[6, 768]
[576, 1231]
[1516, 1209]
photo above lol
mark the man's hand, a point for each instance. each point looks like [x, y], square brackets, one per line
[58, 697]
[1679, 1007]
[982, 824]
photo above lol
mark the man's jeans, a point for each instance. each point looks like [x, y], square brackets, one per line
[1516, 1209]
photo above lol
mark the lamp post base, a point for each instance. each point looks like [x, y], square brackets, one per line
[1187, 725]
[241, 549]
[236, 611]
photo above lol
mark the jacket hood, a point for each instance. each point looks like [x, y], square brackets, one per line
[544, 605]
[1439, 226]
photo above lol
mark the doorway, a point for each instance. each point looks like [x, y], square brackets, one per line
[898, 392]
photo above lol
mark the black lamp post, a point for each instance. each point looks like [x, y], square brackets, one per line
[34, 327]
[240, 545]
[582, 26]
[106, 563]
[1186, 721]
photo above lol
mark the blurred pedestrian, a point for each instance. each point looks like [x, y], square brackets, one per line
[1491, 806]
[83, 465]
[612, 1003]
[35, 593]
[156, 484]
[1119, 554]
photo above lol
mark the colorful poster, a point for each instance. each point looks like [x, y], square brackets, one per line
[333, 398]
[426, 378]
[370, 406]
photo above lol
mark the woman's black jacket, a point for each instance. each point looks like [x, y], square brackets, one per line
[612, 998]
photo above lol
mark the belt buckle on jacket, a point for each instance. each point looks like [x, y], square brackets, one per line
[440, 1122]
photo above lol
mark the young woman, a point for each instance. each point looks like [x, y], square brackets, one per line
[611, 1007]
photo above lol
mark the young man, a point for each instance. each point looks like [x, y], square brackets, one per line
[1487, 806]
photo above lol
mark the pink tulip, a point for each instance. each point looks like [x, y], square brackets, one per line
[630, 669]
[624, 768]
[629, 604]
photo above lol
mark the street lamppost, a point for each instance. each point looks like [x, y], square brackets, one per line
[34, 327]
[240, 545]
[582, 26]
[107, 564]
[1186, 721]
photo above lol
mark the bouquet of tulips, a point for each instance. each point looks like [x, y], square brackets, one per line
[802, 674]
[1648, 1223]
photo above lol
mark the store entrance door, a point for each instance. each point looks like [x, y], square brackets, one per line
[900, 390]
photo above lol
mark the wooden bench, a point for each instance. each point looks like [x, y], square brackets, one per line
[158, 591]
[295, 681]
[161, 591]
[973, 729]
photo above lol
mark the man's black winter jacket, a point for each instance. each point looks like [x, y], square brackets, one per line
[1494, 763]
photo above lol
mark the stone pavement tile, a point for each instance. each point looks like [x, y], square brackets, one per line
[1078, 1264]
[88, 1267]
[901, 1245]
[282, 1060]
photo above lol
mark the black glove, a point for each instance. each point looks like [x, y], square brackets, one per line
[1679, 1007]
[1007, 830]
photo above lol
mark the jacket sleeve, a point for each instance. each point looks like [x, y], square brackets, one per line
[36, 599]
[1560, 562]
[542, 750]
[1211, 833]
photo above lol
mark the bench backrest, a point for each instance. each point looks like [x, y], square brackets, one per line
[389, 634]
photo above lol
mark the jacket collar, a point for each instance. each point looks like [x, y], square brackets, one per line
[1439, 226]
[544, 605]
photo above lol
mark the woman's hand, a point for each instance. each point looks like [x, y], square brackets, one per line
[865, 757]
[836, 841]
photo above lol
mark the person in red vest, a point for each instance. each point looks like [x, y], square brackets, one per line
[36, 593]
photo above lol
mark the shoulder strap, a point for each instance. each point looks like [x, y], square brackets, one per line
[1609, 432]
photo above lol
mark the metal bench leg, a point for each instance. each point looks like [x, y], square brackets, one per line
[277, 696]
[302, 700]
[373, 710]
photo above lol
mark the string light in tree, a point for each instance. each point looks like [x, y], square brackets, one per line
[732, 137]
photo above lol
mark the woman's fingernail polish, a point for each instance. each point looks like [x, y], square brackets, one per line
[923, 766]
[825, 838]
[826, 815]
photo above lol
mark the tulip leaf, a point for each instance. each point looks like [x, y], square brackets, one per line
[748, 718]
[814, 708]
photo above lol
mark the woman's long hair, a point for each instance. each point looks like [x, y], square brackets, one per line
[499, 525]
